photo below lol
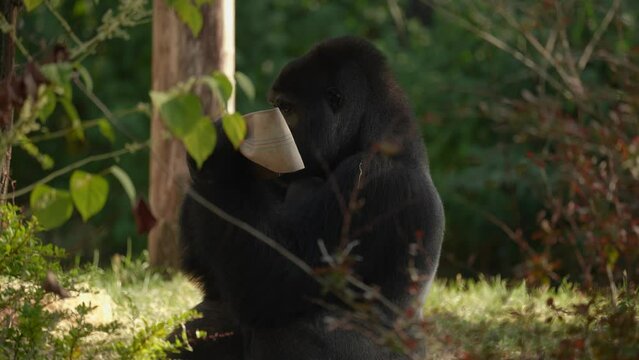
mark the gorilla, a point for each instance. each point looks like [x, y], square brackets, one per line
[366, 182]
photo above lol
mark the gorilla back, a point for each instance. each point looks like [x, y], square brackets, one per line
[366, 187]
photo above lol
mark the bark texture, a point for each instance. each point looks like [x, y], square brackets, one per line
[178, 55]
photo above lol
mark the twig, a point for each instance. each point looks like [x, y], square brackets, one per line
[252, 231]
[131, 148]
[587, 54]
[518, 55]
[7, 28]
[565, 44]
[65, 25]
[573, 81]
[126, 17]
[104, 109]
[63, 132]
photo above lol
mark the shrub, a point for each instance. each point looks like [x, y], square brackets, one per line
[577, 111]
[35, 323]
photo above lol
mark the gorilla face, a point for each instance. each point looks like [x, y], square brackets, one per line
[324, 96]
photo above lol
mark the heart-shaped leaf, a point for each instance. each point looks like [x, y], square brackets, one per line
[52, 207]
[200, 142]
[235, 128]
[224, 85]
[181, 113]
[89, 193]
[189, 14]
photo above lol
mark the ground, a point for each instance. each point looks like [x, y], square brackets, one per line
[472, 319]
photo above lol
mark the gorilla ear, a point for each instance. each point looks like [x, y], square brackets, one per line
[334, 98]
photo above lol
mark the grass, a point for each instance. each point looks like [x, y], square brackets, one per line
[468, 319]
[488, 319]
[143, 296]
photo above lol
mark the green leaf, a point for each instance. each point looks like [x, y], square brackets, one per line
[224, 86]
[89, 192]
[125, 181]
[59, 74]
[181, 113]
[106, 129]
[200, 142]
[76, 123]
[52, 207]
[189, 14]
[32, 4]
[245, 84]
[203, 2]
[46, 103]
[235, 128]
[86, 77]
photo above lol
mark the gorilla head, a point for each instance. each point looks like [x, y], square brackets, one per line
[338, 99]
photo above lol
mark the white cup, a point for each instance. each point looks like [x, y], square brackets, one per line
[269, 142]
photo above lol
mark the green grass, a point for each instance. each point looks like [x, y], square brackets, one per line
[488, 319]
[143, 296]
[482, 319]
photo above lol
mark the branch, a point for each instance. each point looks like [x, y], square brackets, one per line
[65, 25]
[130, 14]
[128, 149]
[585, 57]
[7, 28]
[104, 109]
[500, 44]
[573, 81]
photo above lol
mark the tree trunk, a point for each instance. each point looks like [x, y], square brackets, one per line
[177, 55]
[7, 60]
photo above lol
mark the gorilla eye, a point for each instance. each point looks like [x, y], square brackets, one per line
[334, 98]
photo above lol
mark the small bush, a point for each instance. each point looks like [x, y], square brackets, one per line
[577, 114]
[36, 324]
[28, 321]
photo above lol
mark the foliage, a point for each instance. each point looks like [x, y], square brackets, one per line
[582, 139]
[55, 80]
[37, 325]
[468, 95]
[190, 13]
[29, 323]
[34, 93]
[182, 114]
[427, 60]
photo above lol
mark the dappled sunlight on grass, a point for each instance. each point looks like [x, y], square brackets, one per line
[489, 319]
[150, 298]
[467, 319]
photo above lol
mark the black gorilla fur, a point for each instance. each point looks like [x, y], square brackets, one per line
[354, 128]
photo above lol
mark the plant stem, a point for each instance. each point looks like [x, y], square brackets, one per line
[65, 25]
[128, 149]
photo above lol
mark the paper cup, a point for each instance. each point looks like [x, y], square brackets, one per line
[269, 142]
